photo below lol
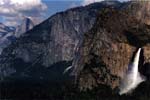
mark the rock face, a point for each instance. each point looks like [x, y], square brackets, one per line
[51, 42]
[6, 35]
[9, 34]
[109, 46]
[27, 24]
[5, 29]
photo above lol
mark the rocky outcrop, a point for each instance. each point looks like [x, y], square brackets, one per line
[26, 25]
[6, 36]
[5, 29]
[54, 40]
[108, 47]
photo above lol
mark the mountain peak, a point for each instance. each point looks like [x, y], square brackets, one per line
[25, 26]
[29, 23]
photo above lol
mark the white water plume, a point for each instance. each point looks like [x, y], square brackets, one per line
[67, 69]
[132, 78]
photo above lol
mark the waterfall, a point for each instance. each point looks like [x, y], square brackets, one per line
[132, 78]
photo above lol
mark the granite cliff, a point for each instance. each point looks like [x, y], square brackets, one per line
[8, 34]
[26, 25]
[101, 39]
[51, 42]
[110, 45]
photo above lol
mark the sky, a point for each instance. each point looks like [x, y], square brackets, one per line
[12, 12]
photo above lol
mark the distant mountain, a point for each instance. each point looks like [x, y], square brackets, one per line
[25, 26]
[9, 34]
[6, 36]
[5, 29]
[54, 41]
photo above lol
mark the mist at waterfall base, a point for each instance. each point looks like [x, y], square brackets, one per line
[132, 78]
